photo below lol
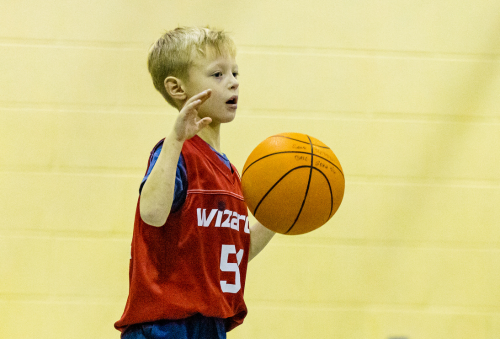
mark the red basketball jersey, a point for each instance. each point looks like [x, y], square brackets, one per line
[197, 261]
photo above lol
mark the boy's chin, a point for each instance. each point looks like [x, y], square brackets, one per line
[224, 119]
[230, 119]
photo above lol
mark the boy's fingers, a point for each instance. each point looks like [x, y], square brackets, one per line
[196, 100]
[191, 110]
[205, 122]
[194, 104]
[202, 96]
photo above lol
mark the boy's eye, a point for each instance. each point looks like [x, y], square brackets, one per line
[235, 74]
[217, 74]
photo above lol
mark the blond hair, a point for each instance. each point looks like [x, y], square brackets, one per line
[172, 54]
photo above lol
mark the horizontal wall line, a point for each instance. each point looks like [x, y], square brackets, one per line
[254, 304]
[47, 234]
[369, 53]
[42, 298]
[76, 44]
[55, 107]
[423, 182]
[309, 240]
[261, 113]
[138, 173]
[332, 51]
[429, 117]
[124, 236]
[353, 306]
[75, 171]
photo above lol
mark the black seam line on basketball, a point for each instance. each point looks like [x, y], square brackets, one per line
[330, 187]
[297, 152]
[304, 142]
[272, 187]
[307, 189]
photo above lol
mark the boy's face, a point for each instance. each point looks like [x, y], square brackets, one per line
[218, 73]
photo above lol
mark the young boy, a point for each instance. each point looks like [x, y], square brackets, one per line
[191, 241]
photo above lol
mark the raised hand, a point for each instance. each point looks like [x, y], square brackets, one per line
[188, 123]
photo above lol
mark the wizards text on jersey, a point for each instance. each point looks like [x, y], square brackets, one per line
[225, 218]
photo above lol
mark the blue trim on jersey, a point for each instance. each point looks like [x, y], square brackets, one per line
[154, 158]
[222, 157]
[181, 184]
[180, 188]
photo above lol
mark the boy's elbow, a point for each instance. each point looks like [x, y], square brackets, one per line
[153, 217]
[153, 220]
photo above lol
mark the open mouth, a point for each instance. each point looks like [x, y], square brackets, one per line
[232, 101]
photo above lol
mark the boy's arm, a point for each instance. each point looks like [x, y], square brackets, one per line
[259, 238]
[158, 192]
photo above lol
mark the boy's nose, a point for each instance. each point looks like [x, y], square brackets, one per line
[234, 83]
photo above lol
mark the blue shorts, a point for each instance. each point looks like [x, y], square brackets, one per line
[195, 327]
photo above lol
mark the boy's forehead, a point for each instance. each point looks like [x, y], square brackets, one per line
[219, 50]
[212, 57]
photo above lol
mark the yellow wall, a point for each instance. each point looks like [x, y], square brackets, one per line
[406, 93]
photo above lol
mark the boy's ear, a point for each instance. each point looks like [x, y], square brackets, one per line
[175, 88]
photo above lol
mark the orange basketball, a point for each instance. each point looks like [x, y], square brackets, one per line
[292, 183]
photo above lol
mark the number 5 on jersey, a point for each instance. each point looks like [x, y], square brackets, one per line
[226, 266]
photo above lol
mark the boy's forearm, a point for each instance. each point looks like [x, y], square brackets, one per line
[259, 238]
[158, 192]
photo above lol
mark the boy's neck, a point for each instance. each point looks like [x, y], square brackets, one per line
[211, 135]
